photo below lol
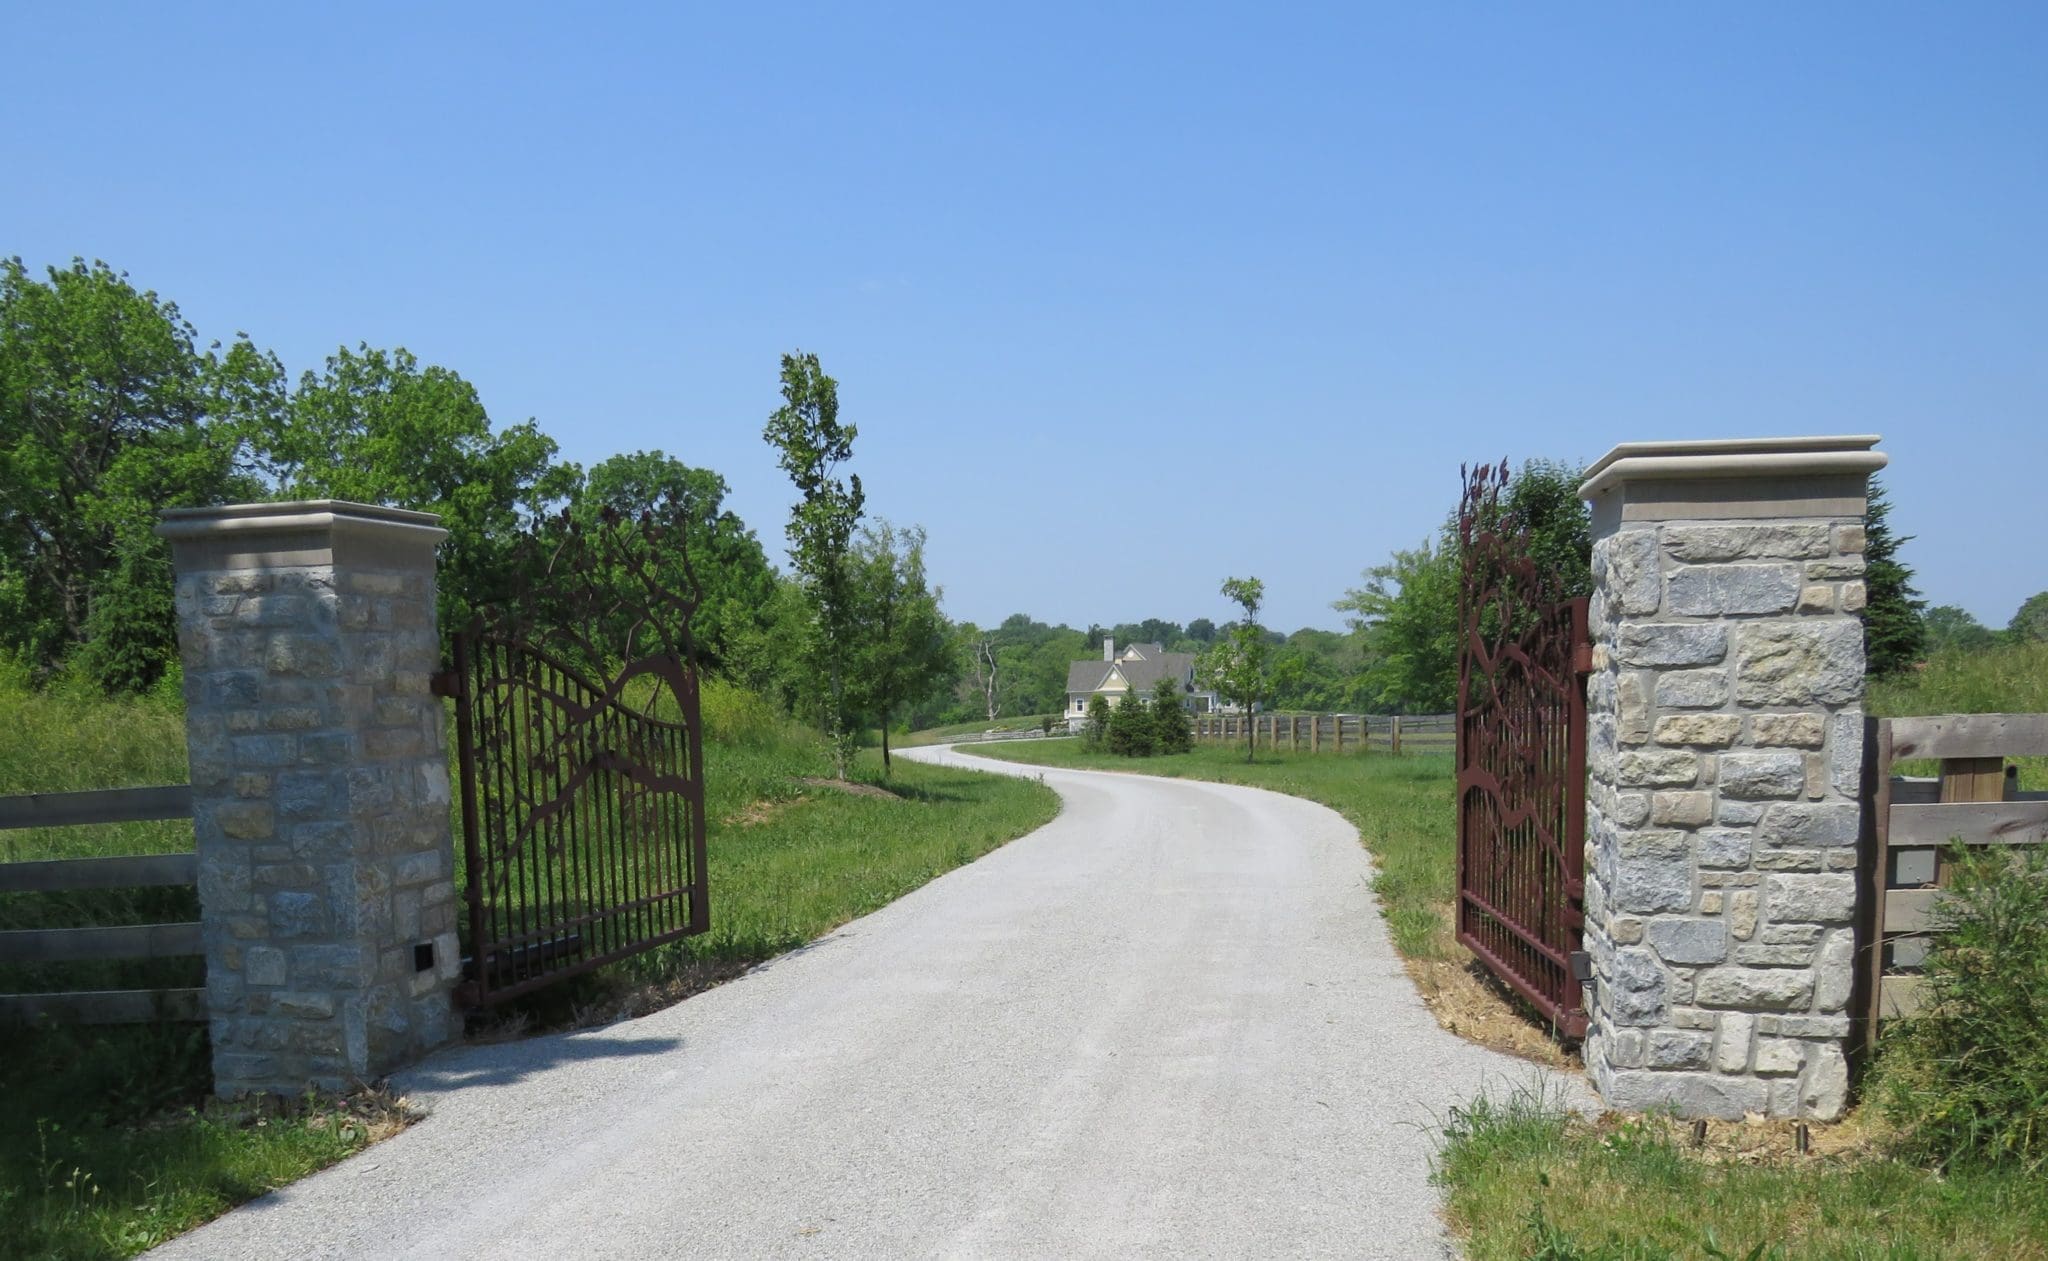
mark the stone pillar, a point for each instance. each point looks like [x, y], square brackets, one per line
[319, 789]
[1724, 754]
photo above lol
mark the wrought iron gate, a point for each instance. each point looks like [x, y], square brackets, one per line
[1523, 659]
[581, 765]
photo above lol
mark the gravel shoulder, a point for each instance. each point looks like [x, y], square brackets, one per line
[1169, 1023]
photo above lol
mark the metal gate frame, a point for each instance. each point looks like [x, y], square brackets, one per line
[1523, 660]
[583, 825]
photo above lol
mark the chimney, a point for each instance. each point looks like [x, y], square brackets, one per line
[1109, 648]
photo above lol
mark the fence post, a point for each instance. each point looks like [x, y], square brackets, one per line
[1395, 732]
[1724, 766]
[319, 789]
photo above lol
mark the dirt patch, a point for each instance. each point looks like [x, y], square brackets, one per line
[758, 812]
[848, 787]
[1467, 1000]
[1756, 1140]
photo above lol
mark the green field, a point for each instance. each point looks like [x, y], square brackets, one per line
[109, 1143]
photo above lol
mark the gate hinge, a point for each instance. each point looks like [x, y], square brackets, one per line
[1582, 966]
[445, 683]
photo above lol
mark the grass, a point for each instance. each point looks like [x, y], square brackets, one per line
[2008, 679]
[1525, 1179]
[109, 1142]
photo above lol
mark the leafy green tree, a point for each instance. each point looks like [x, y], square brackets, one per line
[1130, 727]
[812, 444]
[1894, 637]
[905, 647]
[1950, 628]
[1408, 613]
[2030, 624]
[377, 427]
[108, 413]
[1171, 731]
[1202, 630]
[1235, 664]
[1543, 499]
[734, 583]
[1099, 718]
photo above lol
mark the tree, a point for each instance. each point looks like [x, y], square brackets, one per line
[1894, 638]
[1202, 629]
[984, 668]
[108, 413]
[1130, 727]
[905, 652]
[812, 445]
[735, 585]
[1952, 629]
[1170, 730]
[1235, 664]
[378, 427]
[2030, 624]
[1543, 499]
[1099, 718]
[1407, 612]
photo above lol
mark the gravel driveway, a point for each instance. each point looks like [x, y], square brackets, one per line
[1169, 1023]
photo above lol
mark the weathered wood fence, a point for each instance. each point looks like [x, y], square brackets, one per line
[1334, 733]
[128, 941]
[1912, 822]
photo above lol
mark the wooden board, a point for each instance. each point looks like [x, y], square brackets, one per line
[1909, 910]
[105, 805]
[1970, 736]
[128, 872]
[1976, 822]
[129, 941]
[1900, 996]
[104, 1007]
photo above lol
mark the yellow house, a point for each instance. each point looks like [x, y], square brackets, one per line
[1138, 667]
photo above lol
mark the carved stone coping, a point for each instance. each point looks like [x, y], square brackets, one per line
[1733, 479]
[311, 532]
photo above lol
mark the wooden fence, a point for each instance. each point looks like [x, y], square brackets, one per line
[129, 941]
[1912, 821]
[1334, 733]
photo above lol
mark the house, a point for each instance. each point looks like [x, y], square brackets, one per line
[1139, 667]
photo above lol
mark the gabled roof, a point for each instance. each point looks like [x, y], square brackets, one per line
[1144, 652]
[1086, 676]
[1141, 674]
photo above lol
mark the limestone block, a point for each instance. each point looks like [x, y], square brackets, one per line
[1849, 538]
[1635, 578]
[1711, 902]
[1779, 1056]
[1625, 930]
[1854, 596]
[1630, 809]
[1845, 753]
[1685, 1094]
[1755, 989]
[1818, 598]
[1724, 847]
[1731, 1049]
[1677, 1049]
[1824, 899]
[1689, 941]
[1817, 662]
[1708, 543]
[1662, 767]
[1826, 1089]
[1651, 873]
[1835, 972]
[1632, 707]
[1681, 644]
[1742, 912]
[1692, 689]
[1788, 731]
[1836, 570]
[1681, 809]
[1707, 730]
[1637, 988]
[1734, 590]
[1737, 814]
[1809, 825]
[1760, 775]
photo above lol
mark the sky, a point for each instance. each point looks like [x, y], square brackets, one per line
[1124, 300]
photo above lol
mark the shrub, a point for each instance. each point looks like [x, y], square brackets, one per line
[1967, 1080]
[1170, 730]
[1130, 728]
[1098, 721]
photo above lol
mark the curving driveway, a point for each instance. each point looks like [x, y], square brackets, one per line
[1169, 1023]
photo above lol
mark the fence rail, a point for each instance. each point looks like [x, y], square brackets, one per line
[109, 942]
[1335, 733]
[1913, 822]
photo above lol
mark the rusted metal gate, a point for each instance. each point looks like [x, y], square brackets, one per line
[580, 759]
[1522, 666]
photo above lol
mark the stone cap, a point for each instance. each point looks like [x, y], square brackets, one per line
[303, 532]
[1734, 457]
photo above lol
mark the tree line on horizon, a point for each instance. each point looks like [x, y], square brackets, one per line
[111, 409]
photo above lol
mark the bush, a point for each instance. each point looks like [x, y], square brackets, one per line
[1967, 1080]
[1099, 716]
[1170, 730]
[1130, 728]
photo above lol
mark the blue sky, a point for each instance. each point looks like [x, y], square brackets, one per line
[1124, 300]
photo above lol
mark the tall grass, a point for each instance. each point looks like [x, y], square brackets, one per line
[2007, 679]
